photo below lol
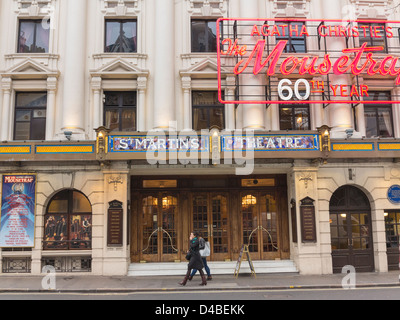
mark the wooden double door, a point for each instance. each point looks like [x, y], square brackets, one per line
[163, 225]
[261, 224]
[210, 217]
[163, 220]
[351, 230]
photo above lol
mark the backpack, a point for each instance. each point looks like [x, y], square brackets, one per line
[202, 244]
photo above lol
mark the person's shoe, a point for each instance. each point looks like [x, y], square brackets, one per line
[183, 283]
[203, 279]
[209, 278]
[190, 278]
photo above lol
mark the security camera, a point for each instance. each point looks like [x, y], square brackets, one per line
[349, 133]
[68, 135]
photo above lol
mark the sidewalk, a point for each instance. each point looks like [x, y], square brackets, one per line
[99, 284]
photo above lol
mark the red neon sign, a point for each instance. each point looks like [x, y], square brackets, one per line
[244, 53]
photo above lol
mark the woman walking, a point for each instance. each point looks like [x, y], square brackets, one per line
[195, 261]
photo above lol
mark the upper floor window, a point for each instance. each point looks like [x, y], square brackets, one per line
[294, 117]
[378, 117]
[120, 111]
[121, 36]
[208, 112]
[204, 35]
[293, 33]
[374, 34]
[30, 116]
[33, 36]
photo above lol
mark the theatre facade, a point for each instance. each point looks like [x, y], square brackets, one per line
[126, 125]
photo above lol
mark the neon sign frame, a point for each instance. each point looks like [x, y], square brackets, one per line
[237, 50]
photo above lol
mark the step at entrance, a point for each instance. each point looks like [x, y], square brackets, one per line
[217, 268]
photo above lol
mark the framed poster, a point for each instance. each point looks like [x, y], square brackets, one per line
[308, 223]
[17, 219]
[115, 224]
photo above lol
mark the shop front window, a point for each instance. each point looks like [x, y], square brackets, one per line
[392, 227]
[68, 222]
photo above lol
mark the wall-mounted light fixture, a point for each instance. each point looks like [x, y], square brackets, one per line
[215, 146]
[101, 141]
[325, 137]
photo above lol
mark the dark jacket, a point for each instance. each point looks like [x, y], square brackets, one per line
[195, 261]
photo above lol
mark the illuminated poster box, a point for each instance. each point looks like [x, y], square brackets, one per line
[18, 200]
[305, 60]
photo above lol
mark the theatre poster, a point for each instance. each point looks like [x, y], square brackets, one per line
[17, 220]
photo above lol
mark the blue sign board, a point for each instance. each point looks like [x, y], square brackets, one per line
[394, 194]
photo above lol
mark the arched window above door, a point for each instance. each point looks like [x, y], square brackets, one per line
[349, 197]
[68, 222]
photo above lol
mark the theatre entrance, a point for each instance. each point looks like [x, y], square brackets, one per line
[227, 211]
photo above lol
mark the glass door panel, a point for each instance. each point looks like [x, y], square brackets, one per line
[149, 228]
[169, 232]
[220, 234]
[269, 225]
[250, 222]
[200, 215]
[210, 219]
[159, 228]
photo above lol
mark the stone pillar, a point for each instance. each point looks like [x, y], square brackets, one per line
[186, 86]
[230, 108]
[317, 113]
[396, 113]
[6, 85]
[97, 100]
[74, 104]
[114, 260]
[51, 108]
[340, 114]
[164, 64]
[253, 114]
[141, 104]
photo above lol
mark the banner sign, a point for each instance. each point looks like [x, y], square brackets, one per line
[158, 143]
[285, 61]
[17, 221]
[270, 142]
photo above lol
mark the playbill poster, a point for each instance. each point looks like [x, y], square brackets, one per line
[17, 220]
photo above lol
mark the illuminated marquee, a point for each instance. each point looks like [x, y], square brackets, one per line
[258, 49]
[158, 143]
[270, 142]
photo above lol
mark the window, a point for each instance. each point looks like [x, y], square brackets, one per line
[291, 32]
[376, 38]
[294, 117]
[392, 226]
[204, 36]
[120, 111]
[30, 116]
[68, 222]
[121, 36]
[33, 36]
[378, 118]
[208, 112]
